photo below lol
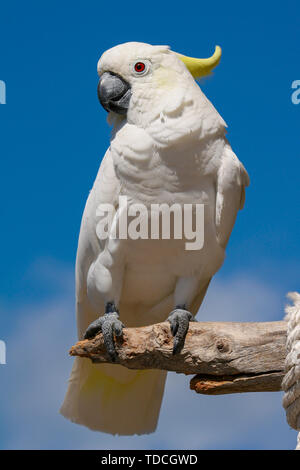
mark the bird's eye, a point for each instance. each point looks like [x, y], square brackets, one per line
[141, 67]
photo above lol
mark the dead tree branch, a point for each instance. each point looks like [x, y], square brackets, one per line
[227, 357]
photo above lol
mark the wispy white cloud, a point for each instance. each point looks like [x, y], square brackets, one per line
[34, 381]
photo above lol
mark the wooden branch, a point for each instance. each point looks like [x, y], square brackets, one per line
[268, 382]
[227, 357]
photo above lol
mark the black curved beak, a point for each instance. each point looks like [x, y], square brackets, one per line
[114, 93]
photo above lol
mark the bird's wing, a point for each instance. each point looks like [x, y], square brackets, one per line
[105, 190]
[232, 179]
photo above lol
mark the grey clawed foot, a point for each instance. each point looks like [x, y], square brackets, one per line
[179, 320]
[110, 326]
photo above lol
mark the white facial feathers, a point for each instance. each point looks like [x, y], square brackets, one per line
[164, 95]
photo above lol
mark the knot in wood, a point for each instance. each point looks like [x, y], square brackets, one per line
[222, 345]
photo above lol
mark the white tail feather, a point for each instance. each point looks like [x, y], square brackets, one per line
[113, 399]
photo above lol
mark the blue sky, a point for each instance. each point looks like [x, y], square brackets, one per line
[53, 136]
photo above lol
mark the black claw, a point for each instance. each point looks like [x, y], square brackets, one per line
[174, 327]
[93, 329]
[177, 346]
[118, 328]
[179, 320]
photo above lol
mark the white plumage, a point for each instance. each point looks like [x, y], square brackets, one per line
[171, 147]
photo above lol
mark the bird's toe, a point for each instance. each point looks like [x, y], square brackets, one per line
[179, 322]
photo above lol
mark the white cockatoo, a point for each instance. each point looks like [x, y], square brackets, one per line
[168, 146]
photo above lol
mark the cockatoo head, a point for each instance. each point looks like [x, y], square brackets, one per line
[139, 80]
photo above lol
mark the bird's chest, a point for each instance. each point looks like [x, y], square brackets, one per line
[138, 166]
[150, 174]
[149, 178]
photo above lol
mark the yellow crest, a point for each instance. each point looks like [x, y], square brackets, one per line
[201, 67]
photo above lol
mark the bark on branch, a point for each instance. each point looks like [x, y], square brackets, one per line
[227, 357]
